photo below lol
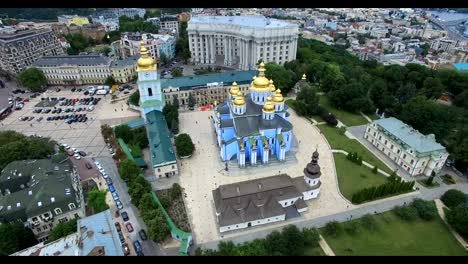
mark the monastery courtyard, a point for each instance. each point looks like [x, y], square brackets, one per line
[204, 172]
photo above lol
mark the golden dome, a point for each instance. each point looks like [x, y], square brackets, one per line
[145, 62]
[239, 99]
[304, 77]
[278, 97]
[234, 89]
[269, 107]
[272, 86]
[260, 83]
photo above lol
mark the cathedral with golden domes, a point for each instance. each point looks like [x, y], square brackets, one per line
[253, 128]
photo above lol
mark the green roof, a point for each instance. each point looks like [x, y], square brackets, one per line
[187, 82]
[159, 138]
[138, 160]
[151, 103]
[135, 123]
[36, 187]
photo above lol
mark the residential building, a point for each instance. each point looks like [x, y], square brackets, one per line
[41, 194]
[156, 44]
[443, 44]
[130, 12]
[96, 236]
[73, 20]
[414, 152]
[124, 70]
[96, 32]
[169, 23]
[241, 41]
[108, 19]
[75, 69]
[254, 128]
[206, 89]
[266, 200]
[152, 102]
[22, 48]
[185, 17]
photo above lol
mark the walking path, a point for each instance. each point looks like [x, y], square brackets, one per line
[325, 247]
[363, 162]
[440, 210]
[366, 117]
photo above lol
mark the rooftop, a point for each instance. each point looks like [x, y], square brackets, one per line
[80, 60]
[409, 136]
[125, 62]
[159, 139]
[226, 78]
[244, 21]
[461, 66]
[65, 246]
[31, 187]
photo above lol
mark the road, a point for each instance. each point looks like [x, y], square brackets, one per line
[149, 247]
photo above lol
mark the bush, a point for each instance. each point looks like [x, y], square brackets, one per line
[426, 209]
[407, 213]
[184, 145]
[352, 228]
[453, 198]
[175, 191]
[134, 99]
[375, 170]
[333, 229]
[342, 130]
[458, 219]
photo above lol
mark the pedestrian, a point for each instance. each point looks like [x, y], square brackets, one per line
[115, 109]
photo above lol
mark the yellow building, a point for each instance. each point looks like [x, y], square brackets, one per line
[124, 71]
[76, 20]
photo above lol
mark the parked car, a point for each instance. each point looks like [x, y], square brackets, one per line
[121, 237]
[82, 153]
[77, 156]
[129, 227]
[137, 246]
[124, 216]
[115, 196]
[143, 235]
[111, 188]
[117, 225]
[119, 204]
[108, 180]
[126, 249]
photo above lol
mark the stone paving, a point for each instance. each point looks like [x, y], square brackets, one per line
[204, 172]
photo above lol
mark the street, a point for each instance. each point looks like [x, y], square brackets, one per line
[150, 248]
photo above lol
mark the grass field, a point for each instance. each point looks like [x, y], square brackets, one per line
[396, 237]
[353, 178]
[347, 118]
[338, 141]
[314, 251]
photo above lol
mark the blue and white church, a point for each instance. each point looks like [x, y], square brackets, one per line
[253, 128]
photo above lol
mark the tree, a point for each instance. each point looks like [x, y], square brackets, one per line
[453, 198]
[78, 43]
[432, 88]
[375, 169]
[163, 58]
[333, 228]
[426, 209]
[458, 218]
[33, 78]
[307, 101]
[15, 237]
[407, 213]
[63, 230]
[127, 24]
[175, 191]
[157, 227]
[177, 73]
[191, 101]
[135, 98]
[184, 145]
[430, 180]
[97, 200]
[284, 79]
[110, 81]
[124, 132]
[175, 101]
[129, 170]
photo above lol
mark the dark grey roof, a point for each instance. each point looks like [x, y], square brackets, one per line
[255, 199]
[42, 180]
[302, 186]
[125, 62]
[80, 60]
[227, 123]
[300, 204]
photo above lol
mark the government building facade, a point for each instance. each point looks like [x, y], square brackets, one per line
[253, 128]
[241, 41]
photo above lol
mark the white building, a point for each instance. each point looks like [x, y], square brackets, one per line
[130, 12]
[443, 44]
[241, 41]
[157, 44]
[75, 70]
[170, 24]
[412, 151]
[266, 200]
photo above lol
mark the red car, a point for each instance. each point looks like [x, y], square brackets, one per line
[129, 227]
[26, 100]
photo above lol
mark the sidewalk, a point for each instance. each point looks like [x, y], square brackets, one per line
[325, 247]
[440, 210]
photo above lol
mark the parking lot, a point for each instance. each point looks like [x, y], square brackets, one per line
[85, 136]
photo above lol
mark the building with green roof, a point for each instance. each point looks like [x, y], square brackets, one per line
[40, 194]
[414, 152]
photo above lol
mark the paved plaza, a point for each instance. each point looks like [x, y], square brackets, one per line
[204, 172]
[84, 136]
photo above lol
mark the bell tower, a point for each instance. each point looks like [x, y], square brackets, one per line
[149, 84]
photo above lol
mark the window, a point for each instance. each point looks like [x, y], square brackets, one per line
[404, 156]
[380, 137]
[51, 225]
[423, 163]
[412, 161]
[398, 151]
[38, 229]
[159, 170]
[374, 134]
[71, 206]
[391, 147]
[385, 142]
[58, 211]
[150, 92]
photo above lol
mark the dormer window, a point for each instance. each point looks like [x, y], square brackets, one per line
[57, 211]
[71, 206]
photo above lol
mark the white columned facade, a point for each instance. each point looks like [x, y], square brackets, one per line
[213, 53]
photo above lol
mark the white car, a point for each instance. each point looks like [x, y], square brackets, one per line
[97, 164]
[105, 175]
[77, 156]
[74, 150]
[119, 204]
[115, 196]
[65, 146]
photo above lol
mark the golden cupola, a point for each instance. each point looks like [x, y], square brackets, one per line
[278, 97]
[239, 100]
[234, 89]
[272, 86]
[269, 107]
[145, 62]
[260, 83]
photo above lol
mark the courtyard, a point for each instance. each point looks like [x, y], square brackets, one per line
[204, 172]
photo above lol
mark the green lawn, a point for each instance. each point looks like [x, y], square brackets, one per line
[314, 251]
[348, 118]
[338, 141]
[353, 178]
[396, 237]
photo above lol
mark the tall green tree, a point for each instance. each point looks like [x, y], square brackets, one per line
[283, 79]
[63, 230]
[184, 145]
[128, 170]
[97, 200]
[33, 78]
[191, 101]
[15, 237]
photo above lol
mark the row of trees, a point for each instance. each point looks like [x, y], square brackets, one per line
[354, 157]
[134, 99]
[289, 242]
[15, 237]
[16, 146]
[78, 43]
[184, 145]
[335, 228]
[140, 192]
[394, 186]
[130, 136]
[182, 44]
[171, 114]
[419, 208]
[457, 216]
[109, 137]
[136, 24]
[45, 13]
